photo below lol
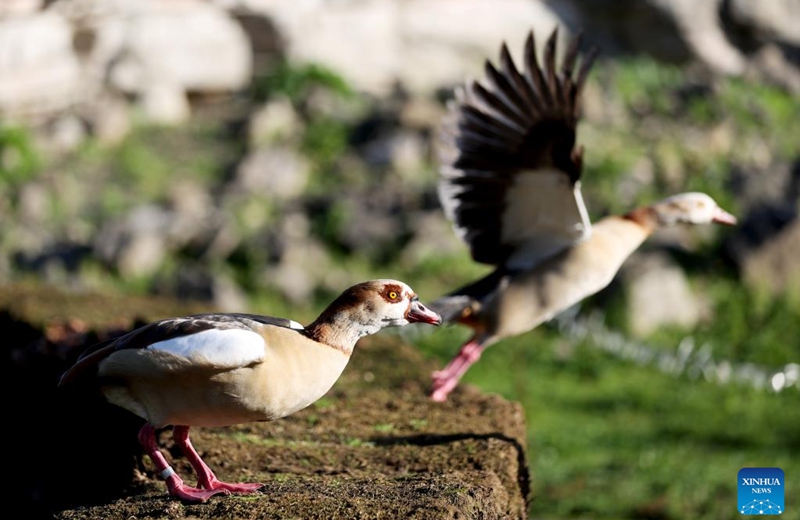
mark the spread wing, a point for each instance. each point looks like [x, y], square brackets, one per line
[212, 340]
[510, 175]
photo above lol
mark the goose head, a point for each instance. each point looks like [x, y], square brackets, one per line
[691, 208]
[392, 304]
[368, 307]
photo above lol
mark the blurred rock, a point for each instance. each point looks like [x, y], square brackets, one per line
[139, 253]
[776, 185]
[765, 244]
[372, 221]
[775, 265]
[772, 20]
[66, 133]
[304, 262]
[275, 120]
[388, 41]
[109, 119]
[164, 103]
[670, 162]
[9, 8]
[771, 64]
[204, 229]
[629, 26]
[39, 71]
[266, 41]
[188, 44]
[422, 113]
[228, 296]
[200, 284]
[437, 50]
[405, 151]
[278, 172]
[33, 204]
[54, 262]
[297, 275]
[408, 152]
[725, 35]
[658, 294]
[701, 28]
[433, 237]
[642, 175]
[137, 244]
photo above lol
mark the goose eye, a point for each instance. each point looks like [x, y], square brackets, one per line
[392, 295]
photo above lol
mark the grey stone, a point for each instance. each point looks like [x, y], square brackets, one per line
[278, 172]
[39, 71]
[188, 44]
[109, 119]
[301, 270]
[774, 19]
[775, 266]
[66, 133]
[164, 103]
[135, 245]
[390, 42]
[274, 121]
[433, 237]
[658, 294]
[9, 8]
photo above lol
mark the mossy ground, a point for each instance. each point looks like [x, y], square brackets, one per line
[374, 447]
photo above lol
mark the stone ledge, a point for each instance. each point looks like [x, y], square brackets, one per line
[373, 447]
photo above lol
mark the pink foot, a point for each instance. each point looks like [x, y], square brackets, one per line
[205, 477]
[179, 490]
[445, 380]
[241, 488]
[208, 484]
[442, 390]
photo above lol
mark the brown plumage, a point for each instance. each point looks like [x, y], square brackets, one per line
[223, 369]
[510, 184]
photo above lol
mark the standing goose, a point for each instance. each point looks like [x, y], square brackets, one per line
[224, 369]
[510, 185]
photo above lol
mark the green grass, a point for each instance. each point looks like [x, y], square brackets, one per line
[609, 439]
[19, 160]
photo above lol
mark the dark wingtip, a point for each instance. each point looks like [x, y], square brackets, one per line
[550, 45]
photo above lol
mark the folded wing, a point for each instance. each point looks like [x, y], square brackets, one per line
[206, 341]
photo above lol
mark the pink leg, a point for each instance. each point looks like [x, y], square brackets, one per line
[445, 380]
[205, 477]
[175, 485]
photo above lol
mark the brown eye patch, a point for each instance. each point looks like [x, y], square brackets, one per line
[392, 293]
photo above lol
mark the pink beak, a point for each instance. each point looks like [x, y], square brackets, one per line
[418, 312]
[723, 217]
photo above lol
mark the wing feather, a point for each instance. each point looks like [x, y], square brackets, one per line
[510, 169]
[226, 340]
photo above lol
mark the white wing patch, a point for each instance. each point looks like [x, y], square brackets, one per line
[544, 215]
[218, 347]
[296, 326]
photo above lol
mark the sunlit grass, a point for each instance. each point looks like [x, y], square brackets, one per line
[609, 439]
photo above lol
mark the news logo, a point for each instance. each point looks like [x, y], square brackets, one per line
[761, 491]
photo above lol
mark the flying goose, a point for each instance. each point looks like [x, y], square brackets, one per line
[510, 185]
[224, 369]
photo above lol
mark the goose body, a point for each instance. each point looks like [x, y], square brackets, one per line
[511, 186]
[528, 298]
[253, 371]
[224, 369]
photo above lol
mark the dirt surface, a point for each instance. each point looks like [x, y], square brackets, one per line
[373, 447]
